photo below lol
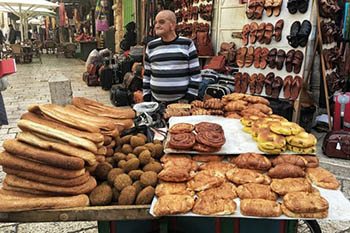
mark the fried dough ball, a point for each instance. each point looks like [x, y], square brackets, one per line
[101, 195]
[121, 181]
[149, 178]
[127, 196]
[145, 196]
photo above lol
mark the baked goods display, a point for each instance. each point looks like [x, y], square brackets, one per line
[202, 137]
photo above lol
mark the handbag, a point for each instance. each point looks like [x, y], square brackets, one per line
[217, 63]
[336, 144]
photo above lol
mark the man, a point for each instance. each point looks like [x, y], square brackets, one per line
[12, 35]
[172, 70]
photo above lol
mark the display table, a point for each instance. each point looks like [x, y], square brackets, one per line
[86, 47]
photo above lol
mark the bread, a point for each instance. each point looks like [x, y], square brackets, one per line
[286, 128]
[10, 161]
[226, 190]
[173, 204]
[262, 108]
[238, 105]
[304, 202]
[43, 156]
[213, 206]
[256, 100]
[35, 192]
[17, 204]
[208, 158]
[243, 176]
[302, 139]
[206, 179]
[260, 208]
[270, 140]
[213, 103]
[167, 188]
[256, 191]
[322, 178]
[291, 159]
[175, 174]
[233, 97]
[31, 139]
[249, 120]
[312, 160]
[221, 167]
[291, 214]
[288, 185]
[300, 150]
[181, 128]
[286, 170]
[253, 161]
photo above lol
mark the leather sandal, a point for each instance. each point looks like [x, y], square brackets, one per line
[271, 58]
[259, 9]
[289, 60]
[253, 28]
[298, 61]
[257, 57]
[277, 4]
[249, 57]
[268, 83]
[287, 84]
[244, 82]
[278, 30]
[296, 87]
[277, 85]
[294, 30]
[303, 5]
[292, 6]
[238, 80]
[240, 57]
[261, 32]
[268, 7]
[252, 83]
[263, 57]
[245, 34]
[268, 33]
[304, 33]
[281, 55]
[259, 83]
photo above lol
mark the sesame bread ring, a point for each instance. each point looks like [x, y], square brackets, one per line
[272, 151]
[249, 120]
[183, 141]
[207, 126]
[300, 150]
[302, 140]
[181, 128]
[211, 138]
[286, 128]
[270, 140]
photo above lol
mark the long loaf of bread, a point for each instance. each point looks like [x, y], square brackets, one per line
[94, 137]
[14, 162]
[35, 192]
[31, 139]
[47, 179]
[8, 194]
[47, 157]
[27, 125]
[17, 204]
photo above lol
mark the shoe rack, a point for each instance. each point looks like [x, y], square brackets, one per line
[283, 44]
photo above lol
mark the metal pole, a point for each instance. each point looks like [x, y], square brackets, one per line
[21, 21]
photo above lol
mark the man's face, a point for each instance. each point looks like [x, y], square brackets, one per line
[163, 26]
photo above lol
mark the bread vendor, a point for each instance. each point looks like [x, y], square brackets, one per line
[172, 70]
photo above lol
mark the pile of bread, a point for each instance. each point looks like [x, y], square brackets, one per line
[49, 164]
[275, 134]
[210, 185]
[235, 105]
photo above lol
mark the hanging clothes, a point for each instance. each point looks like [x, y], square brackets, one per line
[102, 13]
[62, 14]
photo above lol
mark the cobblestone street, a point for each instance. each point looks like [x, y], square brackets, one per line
[30, 85]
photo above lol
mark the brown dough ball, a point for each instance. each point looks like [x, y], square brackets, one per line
[107, 140]
[125, 139]
[119, 156]
[135, 174]
[153, 166]
[151, 148]
[142, 136]
[145, 196]
[100, 158]
[126, 149]
[116, 194]
[110, 152]
[156, 141]
[102, 170]
[111, 161]
[149, 178]
[138, 186]
[121, 164]
[136, 141]
[112, 174]
[130, 156]
[127, 196]
[132, 164]
[121, 181]
[145, 157]
[159, 150]
[101, 195]
[118, 141]
[139, 149]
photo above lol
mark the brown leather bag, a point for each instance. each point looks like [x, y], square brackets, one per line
[229, 51]
[217, 63]
[204, 45]
[337, 144]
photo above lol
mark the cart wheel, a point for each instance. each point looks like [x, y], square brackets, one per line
[308, 226]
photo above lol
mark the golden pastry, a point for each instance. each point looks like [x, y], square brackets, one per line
[287, 185]
[260, 208]
[256, 191]
[243, 176]
[302, 140]
[206, 179]
[286, 128]
[308, 150]
[173, 204]
[211, 206]
[322, 178]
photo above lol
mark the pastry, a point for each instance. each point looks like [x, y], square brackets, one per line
[287, 185]
[213, 103]
[183, 141]
[302, 140]
[322, 178]
[305, 202]
[226, 190]
[253, 161]
[204, 148]
[237, 105]
[233, 115]
[260, 208]
[197, 104]
[286, 170]
[199, 111]
[269, 140]
[300, 150]
[256, 100]
[208, 126]
[312, 160]
[287, 212]
[291, 159]
[206, 179]
[249, 119]
[211, 138]
[167, 188]
[175, 174]
[181, 128]
[173, 204]
[208, 158]
[219, 166]
[243, 176]
[211, 206]
[272, 151]
[262, 108]
[286, 128]
[233, 97]
[252, 111]
[256, 191]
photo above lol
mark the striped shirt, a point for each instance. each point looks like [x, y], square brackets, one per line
[171, 69]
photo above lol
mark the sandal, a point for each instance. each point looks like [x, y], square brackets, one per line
[298, 61]
[252, 83]
[294, 30]
[268, 83]
[259, 83]
[238, 80]
[271, 58]
[292, 6]
[268, 7]
[257, 57]
[281, 55]
[278, 30]
[303, 5]
[304, 33]
[253, 28]
[261, 32]
[244, 82]
[259, 9]
[268, 33]
[276, 86]
[245, 34]
[289, 60]
[263, 57]
[277, 4]
[296, 87]
[287, 84]
[249, 57]
[240, 58]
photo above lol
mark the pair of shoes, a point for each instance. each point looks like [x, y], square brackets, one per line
[273, 85]
[264, 33]
[249, 33]
[299, 33]
[331, 57]
[294, 61]
[330, 32]
[260, 57]
[335, 82]
[276, 58]
[273, 7]
[241, 82]
[329, 8]
[292, 87]
[255, 9]
[256, 83]
[295, 5]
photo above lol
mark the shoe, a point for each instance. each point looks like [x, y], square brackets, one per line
[304, 32]
[292, 38]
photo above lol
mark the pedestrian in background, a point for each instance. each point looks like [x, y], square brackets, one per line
[12, 35]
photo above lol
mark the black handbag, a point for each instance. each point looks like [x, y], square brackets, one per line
[120, 96]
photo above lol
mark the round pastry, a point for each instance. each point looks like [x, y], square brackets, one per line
[197, 104]
[286, 128]
[249, 120]
[247, 129]
[181, 128]
[213, 103]
[272, 151]
[275, 116]
[270, 140]
[300, 150]
[232, 115]
[207, 126]
[211, 138]
[302, 139]
[204, 148]
[183, 141]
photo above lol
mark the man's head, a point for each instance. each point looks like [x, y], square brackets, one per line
[165, 24]
[10, 26]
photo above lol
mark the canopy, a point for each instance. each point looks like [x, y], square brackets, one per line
[26, 9]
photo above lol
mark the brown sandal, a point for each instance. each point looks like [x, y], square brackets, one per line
[296, 87]
[249, 57]
[259, 83]
[261, 32]
[257, 57]
[278, 30]
[238, 79]
[281, 55]
[298, 61]
[253, 28]
[268, 7]
[268, 33]
[276, 86]
[277, 4]
[287, 84]
[240, 57]
[268, 83]
[259, 9]
[244, 83]
[252, 83]
[245, 34]
[271, 58]
[263, 57]
[289, 60]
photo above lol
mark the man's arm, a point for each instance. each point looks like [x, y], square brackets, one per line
[194, 73]
[146, 86]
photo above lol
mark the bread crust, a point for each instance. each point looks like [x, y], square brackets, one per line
[322, 178]
[256, 191]
[260, 208]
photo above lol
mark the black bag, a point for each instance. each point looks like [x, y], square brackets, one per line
[125, 66]
[227, 80]
[210, 75]
[136, 53]
[120, 96]
[91, 79]
[282, 107]
[218, 91]
[106, 78]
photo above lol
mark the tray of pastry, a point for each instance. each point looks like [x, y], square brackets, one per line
[248, 186]
[237, 135]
